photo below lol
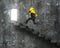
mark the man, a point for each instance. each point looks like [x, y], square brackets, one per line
[33, 14]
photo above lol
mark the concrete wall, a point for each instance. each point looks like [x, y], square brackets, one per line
[46, 16]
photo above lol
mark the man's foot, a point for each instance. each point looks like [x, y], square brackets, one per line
[35, 23]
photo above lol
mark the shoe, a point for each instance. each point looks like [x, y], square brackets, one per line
[35, 23]
[25, 22]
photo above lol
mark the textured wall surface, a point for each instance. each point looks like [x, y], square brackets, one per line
[48, 17]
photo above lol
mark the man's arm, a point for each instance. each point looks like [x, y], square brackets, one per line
[36, 15]
[29, 12]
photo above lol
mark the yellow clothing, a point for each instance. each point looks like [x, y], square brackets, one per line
[32, 10]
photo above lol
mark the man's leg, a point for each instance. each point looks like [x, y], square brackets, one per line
[33, 17]
[28, 20]
[34, 21]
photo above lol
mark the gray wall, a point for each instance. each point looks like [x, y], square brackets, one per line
[46, 16]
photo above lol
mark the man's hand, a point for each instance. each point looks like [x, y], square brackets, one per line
[36, 15]
[29, 12]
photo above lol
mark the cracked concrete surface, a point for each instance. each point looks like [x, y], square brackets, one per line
[19, 39]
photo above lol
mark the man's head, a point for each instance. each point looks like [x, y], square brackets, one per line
[32, 10]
